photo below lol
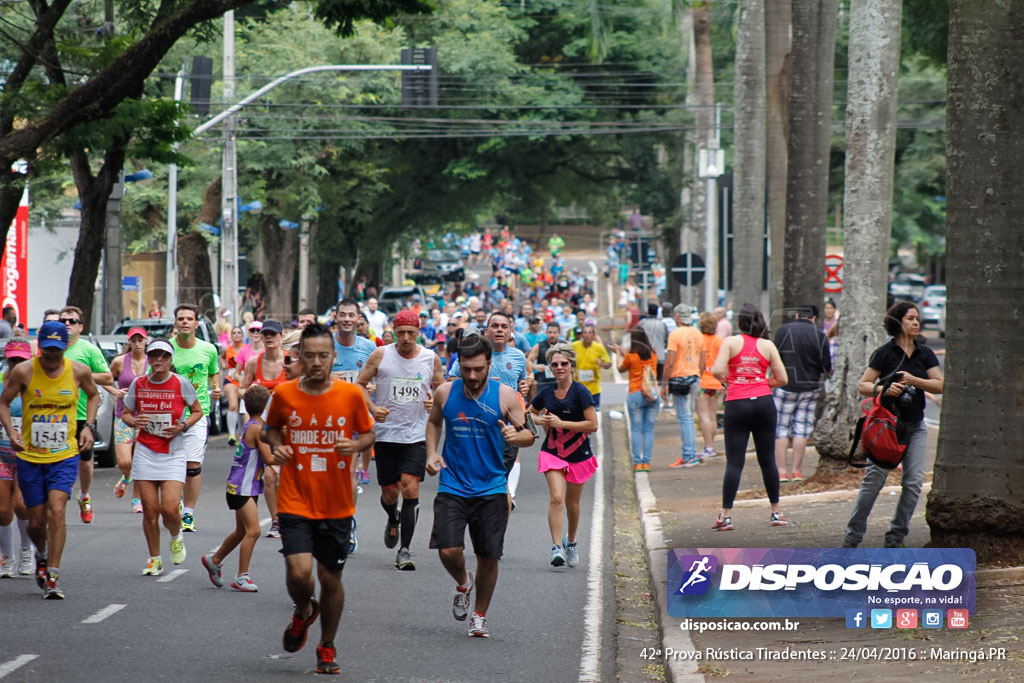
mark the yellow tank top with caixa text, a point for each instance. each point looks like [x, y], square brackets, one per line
[49, 408]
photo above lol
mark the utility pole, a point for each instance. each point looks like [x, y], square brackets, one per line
[304, 264]
[171, 261]
[710, 165]
[229, 183]
[112, 304]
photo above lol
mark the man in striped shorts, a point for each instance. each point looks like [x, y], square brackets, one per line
[804, 352]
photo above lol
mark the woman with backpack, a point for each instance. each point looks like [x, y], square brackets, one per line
[903, 369]
[742, 364]
[566, 411]
[643, 401]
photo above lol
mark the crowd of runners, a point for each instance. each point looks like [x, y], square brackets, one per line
[452, 385]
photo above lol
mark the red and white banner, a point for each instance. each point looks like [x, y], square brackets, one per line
[14, 266]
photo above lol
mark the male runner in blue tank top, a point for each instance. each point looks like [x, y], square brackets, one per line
[479, 416]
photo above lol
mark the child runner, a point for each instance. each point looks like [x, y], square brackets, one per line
[245, 484]
[566, 410]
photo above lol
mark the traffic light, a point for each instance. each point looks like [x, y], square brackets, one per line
[200, 80]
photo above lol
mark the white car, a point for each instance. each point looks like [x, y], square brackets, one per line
[933, 309]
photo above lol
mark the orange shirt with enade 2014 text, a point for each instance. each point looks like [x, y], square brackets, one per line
[317, 482]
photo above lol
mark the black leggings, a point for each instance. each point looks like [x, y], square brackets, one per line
[744, 417]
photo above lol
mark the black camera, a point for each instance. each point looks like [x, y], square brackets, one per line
[907, 397]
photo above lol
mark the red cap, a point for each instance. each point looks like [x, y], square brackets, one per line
[406, 317]
[137, 330]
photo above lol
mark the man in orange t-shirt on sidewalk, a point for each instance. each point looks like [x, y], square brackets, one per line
[316, 426]
[680, 378]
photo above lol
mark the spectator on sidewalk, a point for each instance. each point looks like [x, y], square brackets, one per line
[804, 352]
[911, 366]
[643, 410]
[679, 377]
[707, 397]
[742, 364]
[657, 333]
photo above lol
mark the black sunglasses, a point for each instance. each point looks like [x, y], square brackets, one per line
[288, 360]
[69, 321]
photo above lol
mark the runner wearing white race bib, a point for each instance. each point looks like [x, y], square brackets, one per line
[350, 354]
[404, 375]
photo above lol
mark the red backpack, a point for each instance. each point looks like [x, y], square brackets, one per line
[880, 434]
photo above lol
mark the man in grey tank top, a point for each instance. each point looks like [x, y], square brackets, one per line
[404, 375]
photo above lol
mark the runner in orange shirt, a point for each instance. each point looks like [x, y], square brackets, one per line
[328, 423]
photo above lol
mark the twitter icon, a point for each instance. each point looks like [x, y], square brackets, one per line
[881, 618]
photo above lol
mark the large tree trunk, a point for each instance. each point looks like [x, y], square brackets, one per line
[703, 98]
[777, 66]
[977, 497]
[281, 249]
[810, 123]
[870, 147]
[749, 145]
[93, 192]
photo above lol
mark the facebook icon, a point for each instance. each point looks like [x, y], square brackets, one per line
[855, 618]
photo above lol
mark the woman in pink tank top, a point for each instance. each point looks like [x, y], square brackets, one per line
[743, 363]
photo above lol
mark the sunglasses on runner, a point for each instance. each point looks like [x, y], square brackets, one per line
[69, 321]
[288, 360]
[560, 364]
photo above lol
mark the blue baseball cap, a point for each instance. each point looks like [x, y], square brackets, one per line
[53, 335]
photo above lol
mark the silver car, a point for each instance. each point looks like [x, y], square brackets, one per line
[103, 445]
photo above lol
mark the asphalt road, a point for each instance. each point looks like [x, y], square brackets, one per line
[116, 624]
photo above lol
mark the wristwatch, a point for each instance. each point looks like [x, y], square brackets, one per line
[92, 427]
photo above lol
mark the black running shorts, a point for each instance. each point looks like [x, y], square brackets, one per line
[326, 539]
[86, 455]
[486, 517]
[237, 502]
[395, 459]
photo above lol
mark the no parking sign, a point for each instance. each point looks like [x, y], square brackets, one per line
[833, 273]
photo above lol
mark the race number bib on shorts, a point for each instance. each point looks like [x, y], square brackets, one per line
[586, 375]
[49, 435]
[158, 422]
[404, 389]
[348, 376]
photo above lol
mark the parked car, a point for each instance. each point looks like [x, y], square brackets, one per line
[909, 286]
[103, 443]
[446, 263]
[394, 299]
[933, 309]
[164, 327]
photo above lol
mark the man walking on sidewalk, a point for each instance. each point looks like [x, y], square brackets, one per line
[683, 367]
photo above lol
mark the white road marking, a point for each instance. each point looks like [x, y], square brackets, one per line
[15, 664]
[657, 559]
[593, 267]
[171, 576]
[103, 613]
[590, 661]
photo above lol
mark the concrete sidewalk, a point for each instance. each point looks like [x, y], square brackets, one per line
[677, 508]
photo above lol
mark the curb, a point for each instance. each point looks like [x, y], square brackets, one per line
[657, 564]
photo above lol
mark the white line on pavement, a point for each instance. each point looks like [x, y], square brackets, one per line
[104, 613]
[654, 539]
[171, 576]
[593, 267]
[590, 662]
[15, 664]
